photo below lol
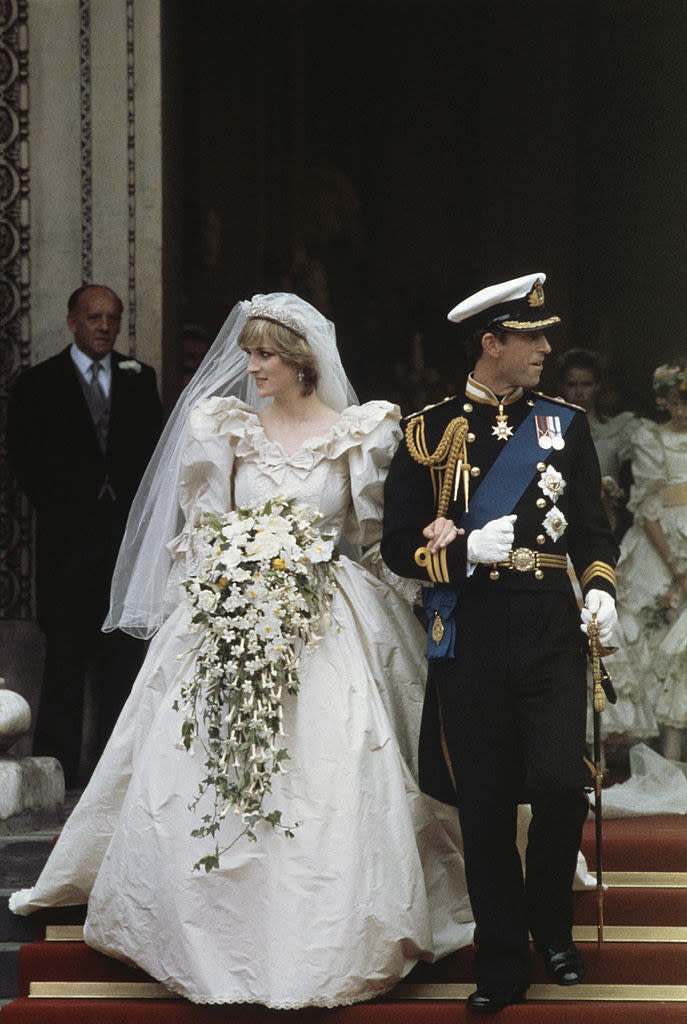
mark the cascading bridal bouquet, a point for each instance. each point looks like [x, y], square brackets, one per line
[258, 599]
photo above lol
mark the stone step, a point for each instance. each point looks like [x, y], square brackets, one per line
[32, 793]
[9, 969]
[22, 858]
[13, 928]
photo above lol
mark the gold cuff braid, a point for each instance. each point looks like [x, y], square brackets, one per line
[435, 565]
[601, 569]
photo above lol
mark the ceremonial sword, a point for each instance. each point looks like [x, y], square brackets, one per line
[603, 688]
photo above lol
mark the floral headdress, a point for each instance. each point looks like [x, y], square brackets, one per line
[670, 377]
[666, 377]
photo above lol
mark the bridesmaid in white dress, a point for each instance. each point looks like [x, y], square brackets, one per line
[372, 880]
[652, 570]
[631, 718]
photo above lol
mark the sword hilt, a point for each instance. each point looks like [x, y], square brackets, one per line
[594, 647]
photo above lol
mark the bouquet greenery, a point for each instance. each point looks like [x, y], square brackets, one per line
[665, 608]
[257, 599]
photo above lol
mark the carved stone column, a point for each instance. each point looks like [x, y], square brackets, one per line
[81, 199]
[15, 321]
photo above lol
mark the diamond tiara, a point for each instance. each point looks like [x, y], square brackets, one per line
[261, 311]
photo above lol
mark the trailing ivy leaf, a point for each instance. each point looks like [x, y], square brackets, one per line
[209, 861]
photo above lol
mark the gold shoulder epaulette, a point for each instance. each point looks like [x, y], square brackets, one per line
[559, 401]
[426, 408]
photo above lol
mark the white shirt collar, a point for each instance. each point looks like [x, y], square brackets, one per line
[83, 364]
[481, 393]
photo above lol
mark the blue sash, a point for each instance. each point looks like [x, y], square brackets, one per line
[497, 495]
[511, 474]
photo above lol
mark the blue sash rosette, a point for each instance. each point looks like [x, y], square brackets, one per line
[439, 603]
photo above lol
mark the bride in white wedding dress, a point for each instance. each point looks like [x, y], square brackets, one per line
[372, 880]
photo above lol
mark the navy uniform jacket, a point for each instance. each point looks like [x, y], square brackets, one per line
[410, 504]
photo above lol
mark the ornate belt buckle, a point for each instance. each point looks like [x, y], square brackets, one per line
[523, 559]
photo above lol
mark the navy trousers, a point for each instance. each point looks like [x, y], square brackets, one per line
[510, 709]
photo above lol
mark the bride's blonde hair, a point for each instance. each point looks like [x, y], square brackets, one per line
[287, 344]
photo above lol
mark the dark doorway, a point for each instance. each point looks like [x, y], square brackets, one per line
[385, 158]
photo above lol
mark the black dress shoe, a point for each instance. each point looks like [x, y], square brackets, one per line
[564, 966]
[483, 1001]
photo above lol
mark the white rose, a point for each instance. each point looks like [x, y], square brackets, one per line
[207, 600]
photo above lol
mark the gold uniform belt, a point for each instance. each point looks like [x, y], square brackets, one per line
[525, 560]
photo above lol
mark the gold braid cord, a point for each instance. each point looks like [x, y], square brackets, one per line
[594, 646]
[445, 462]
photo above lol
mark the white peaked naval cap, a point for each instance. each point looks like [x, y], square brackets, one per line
[516, 305]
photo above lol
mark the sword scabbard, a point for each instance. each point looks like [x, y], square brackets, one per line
[599, 706]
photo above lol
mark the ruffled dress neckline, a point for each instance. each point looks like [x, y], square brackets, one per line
[352, 426]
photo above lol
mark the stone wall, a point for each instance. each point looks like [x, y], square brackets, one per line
[81, 199]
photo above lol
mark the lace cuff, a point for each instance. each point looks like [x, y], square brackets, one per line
[187, 551]
[407, 589]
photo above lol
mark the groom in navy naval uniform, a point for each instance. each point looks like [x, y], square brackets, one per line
[487, 495]
[82, 426]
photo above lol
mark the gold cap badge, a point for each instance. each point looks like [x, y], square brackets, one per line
[536, 295]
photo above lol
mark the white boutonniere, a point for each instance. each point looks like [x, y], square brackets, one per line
[130, 366]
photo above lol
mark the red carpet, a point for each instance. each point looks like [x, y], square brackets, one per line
[661, 907]
[657, 843]
[54, 1011]
[656, 959]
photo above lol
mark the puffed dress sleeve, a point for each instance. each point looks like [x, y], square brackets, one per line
[648, 473]
[215, 426]
[378, 425]
[626, 425]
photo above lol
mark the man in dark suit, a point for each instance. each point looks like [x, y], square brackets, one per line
[488, 494]
[81, 429]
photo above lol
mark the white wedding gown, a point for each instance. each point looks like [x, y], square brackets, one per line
[373, 880]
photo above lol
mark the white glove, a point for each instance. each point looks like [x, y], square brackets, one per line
[493, 542]
[603, 604]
